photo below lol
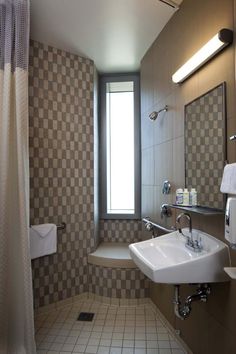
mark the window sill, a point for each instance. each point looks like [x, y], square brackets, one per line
[120, 217]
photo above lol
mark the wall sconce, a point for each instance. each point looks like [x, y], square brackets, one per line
[223, 38]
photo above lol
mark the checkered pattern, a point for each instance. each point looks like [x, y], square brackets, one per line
[120, 230]
[61, 167]
[62, 177]
[204, 137]
[118, 283]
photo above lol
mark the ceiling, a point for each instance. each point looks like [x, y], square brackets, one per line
[115, 34]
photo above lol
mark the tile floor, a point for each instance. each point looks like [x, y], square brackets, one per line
[114, 330]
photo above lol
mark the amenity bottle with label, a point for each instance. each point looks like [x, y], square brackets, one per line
[179, 196]
[193, 197]
[186, 197]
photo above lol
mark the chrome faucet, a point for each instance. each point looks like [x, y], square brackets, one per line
[188, 217]
[193, 245]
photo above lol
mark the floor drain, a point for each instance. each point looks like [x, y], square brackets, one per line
[85, 316]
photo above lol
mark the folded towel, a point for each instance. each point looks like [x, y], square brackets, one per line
[228, 184]
[43, 240]
[43, 229]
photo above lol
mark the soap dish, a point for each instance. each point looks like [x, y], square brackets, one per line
[231, 271]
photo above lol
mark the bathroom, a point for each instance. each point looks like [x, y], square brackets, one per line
[65, 149]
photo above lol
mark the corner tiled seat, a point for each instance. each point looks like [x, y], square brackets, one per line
[113, 255]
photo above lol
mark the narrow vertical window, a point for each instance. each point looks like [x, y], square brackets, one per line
[120, 147]
[120, 167]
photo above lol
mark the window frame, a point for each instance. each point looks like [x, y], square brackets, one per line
[103, 80]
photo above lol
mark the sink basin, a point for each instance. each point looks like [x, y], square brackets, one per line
[166, 259]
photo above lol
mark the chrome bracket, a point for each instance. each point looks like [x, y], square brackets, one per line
[166, 187]
[166, 211]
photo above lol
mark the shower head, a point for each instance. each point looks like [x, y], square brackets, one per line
[153, 116]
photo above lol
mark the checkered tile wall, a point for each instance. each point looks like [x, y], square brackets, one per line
[118, 283]
[61, 167]
[204, 146]
[62, 177]
[121, 230]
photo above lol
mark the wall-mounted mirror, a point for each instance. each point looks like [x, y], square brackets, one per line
[205, 145]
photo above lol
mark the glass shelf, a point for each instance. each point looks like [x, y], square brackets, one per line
[199, 209]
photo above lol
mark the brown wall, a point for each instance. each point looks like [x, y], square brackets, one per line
[211, 327]
[61, 167]
[64, 168]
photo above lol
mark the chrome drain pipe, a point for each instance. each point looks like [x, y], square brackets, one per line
[183, 311]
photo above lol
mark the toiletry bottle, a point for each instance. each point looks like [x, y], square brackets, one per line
[179, 196]
[186, 197]
[193, 197]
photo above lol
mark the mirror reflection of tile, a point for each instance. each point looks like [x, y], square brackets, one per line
[205, 152]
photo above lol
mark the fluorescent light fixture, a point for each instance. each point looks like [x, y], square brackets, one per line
[170, 3]
[211, 48]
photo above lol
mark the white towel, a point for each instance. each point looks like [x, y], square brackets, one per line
[43, 240]
[228, 184]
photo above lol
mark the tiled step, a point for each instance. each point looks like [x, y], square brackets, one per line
[113, 255]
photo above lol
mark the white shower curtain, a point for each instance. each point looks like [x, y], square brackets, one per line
[16, 304]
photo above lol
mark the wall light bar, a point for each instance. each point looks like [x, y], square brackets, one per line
[223, 38]
[170, 3]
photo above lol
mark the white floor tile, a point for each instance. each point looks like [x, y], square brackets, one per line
[79, 348]
[114, 330]
[91, 349]
[139, 351]
[103, 350]
[164, 344]
[105, 342]
[127, 350]
[165, 351]
[114, 350]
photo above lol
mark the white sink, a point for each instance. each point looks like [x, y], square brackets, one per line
[166, 259]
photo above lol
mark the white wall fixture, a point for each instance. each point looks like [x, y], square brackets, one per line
[231, 271]
[223, 38]
[171, 3]
[167, 259]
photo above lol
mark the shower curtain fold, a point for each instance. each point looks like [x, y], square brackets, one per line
[16, 301]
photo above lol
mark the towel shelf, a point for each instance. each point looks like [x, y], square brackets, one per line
[203, 210]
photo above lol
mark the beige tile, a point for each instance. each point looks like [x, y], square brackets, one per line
[147, 201]
[163, 156]
[178, 163]
[164, 124]
[148, 166]
[178, 120]
[159, 199]
[147, 131]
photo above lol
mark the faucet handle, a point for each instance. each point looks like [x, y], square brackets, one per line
[199, 243]
[165, 210]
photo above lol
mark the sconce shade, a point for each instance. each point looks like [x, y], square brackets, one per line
[223, 38]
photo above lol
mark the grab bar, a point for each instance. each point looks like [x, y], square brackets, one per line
[61, 226]
[147, 220]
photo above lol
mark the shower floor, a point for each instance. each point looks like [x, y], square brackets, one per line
[114, 330]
